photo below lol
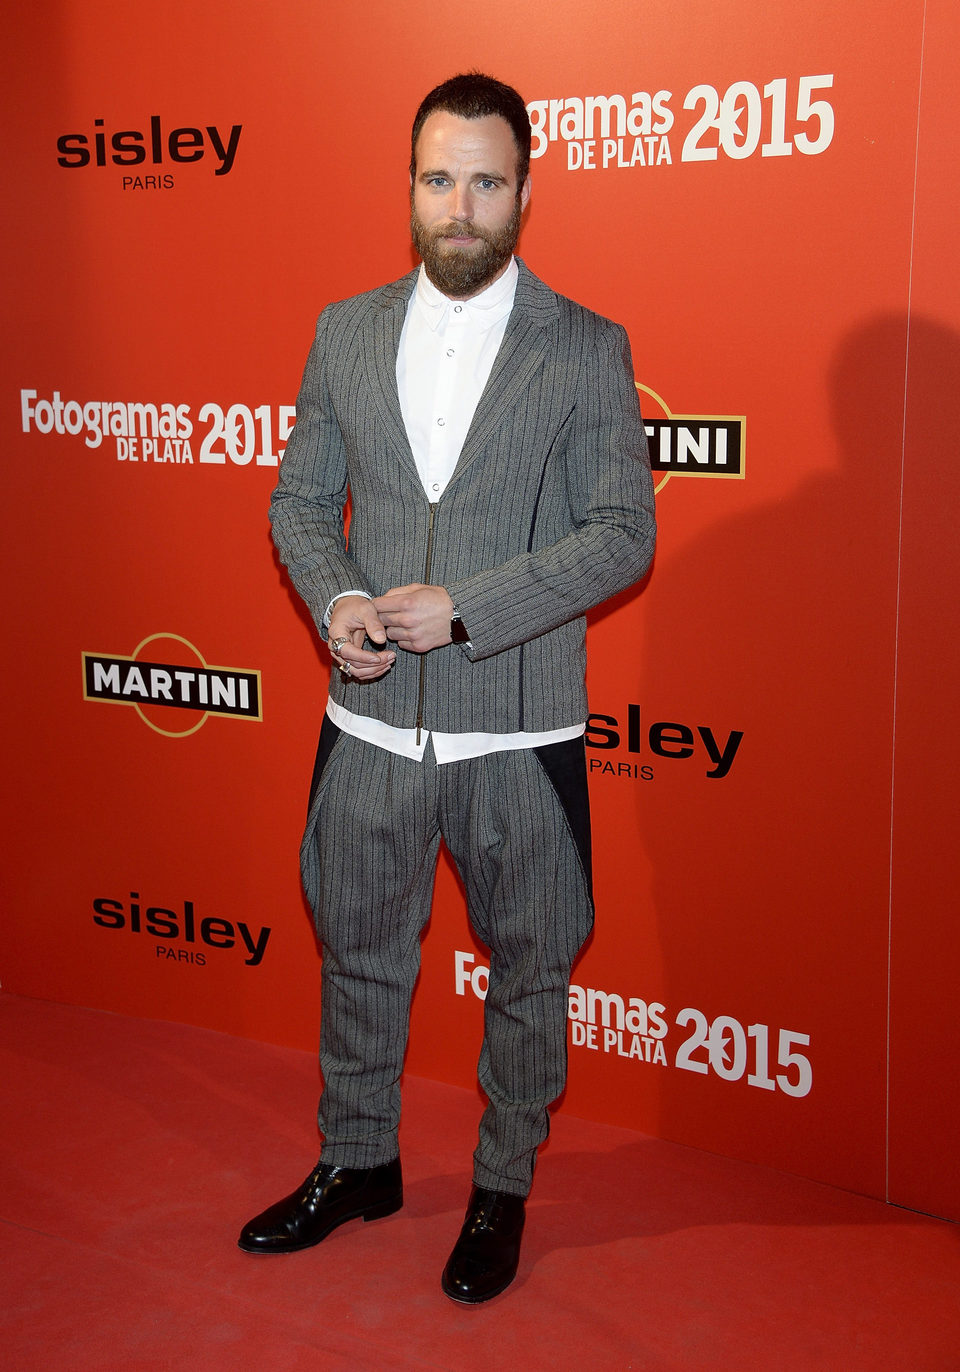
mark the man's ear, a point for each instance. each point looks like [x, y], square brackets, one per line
[525, 193]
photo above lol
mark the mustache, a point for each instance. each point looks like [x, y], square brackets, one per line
[467, 230]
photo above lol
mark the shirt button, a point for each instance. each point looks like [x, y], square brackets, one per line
[441, 422]
[457, 309]
[435, 486]
[449, 352]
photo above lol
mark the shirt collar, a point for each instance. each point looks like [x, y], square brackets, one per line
[482, 310]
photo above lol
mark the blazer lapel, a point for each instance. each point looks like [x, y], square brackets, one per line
[521, 354]
[388, 313]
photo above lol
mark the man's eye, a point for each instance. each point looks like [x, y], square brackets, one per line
[487, 185]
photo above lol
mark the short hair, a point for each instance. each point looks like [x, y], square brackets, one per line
[471, 95]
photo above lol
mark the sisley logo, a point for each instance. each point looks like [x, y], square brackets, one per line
[664, 738]
[180, 923]
[134, 147]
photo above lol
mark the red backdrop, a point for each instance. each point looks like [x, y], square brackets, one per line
[764, 198]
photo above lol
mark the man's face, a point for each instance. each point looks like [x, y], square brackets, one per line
[464, 200]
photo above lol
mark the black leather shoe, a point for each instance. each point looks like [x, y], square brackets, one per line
[486, 1255]
[329, 1196]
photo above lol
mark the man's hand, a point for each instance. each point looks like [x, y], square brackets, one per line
[354, 618]
[417, 617]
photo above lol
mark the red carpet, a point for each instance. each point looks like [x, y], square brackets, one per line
[132, 1152]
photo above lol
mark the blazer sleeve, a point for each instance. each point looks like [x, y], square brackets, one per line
[306, 510]
[610, 491]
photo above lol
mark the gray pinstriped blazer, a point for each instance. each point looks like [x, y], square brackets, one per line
[549, 510]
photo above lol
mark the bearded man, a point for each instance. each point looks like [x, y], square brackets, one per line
[490, 438]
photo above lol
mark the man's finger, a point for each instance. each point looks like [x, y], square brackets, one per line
[365, 657]
[391, 604]
[399, 620]
[372, 623]
[401, 590]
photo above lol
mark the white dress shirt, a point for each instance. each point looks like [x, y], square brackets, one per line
[447, 350]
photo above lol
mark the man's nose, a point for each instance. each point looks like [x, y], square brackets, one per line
[462, 203]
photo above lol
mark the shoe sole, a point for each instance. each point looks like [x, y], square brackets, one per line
[476, 1300]
[373, 1212]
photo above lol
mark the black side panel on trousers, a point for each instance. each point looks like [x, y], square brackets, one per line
[329, 733]
[566, 767]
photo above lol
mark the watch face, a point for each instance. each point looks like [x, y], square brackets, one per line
[458, 632]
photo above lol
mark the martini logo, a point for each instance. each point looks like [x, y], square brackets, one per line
[170, 686]
[691, 444]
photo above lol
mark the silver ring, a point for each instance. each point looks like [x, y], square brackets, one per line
[338, 643]
[345, 669]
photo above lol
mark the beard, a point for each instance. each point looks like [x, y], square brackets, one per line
[460, 271]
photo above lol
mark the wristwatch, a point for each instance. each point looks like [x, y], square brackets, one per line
[458, 630]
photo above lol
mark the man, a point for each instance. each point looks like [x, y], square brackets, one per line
[489, 434]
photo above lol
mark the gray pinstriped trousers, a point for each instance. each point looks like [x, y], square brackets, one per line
[516, 824]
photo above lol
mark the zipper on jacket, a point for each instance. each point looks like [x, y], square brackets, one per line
[428, 567]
